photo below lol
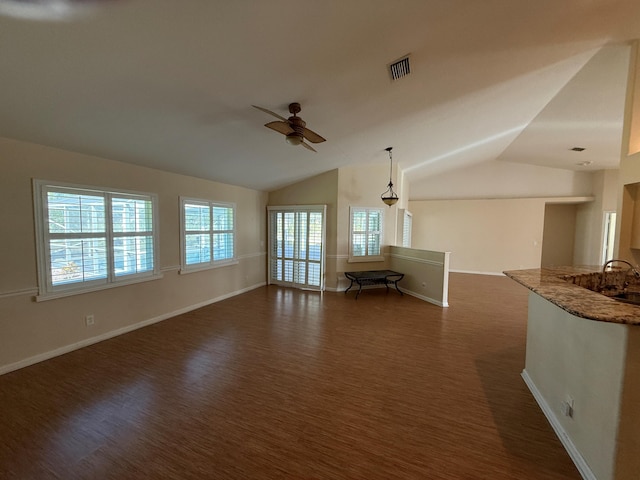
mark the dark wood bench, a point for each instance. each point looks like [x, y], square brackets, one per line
[374, 277]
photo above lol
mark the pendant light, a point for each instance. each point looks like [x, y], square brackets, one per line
[390, 197]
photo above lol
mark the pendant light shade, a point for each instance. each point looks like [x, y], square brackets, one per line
[389, 197]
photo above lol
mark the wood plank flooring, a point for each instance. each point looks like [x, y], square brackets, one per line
[286, 384]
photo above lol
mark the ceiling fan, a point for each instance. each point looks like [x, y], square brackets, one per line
[294, 128]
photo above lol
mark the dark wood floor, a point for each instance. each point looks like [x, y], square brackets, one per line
[281, 383]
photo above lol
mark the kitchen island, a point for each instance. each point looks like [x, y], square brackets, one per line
[583, 367]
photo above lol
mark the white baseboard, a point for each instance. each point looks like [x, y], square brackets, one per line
[425, 298]
[562, 434]
[120, 331]
[404, 290]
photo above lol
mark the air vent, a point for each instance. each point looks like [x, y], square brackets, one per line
[400, 68]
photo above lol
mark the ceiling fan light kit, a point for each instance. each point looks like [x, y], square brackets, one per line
[389, 197]
[293, 128]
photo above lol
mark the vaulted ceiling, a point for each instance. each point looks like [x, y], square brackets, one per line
[170, 84]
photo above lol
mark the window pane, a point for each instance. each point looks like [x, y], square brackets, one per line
[374, 220]
[373, 244]
[131, 215]
[315, 236]
[358, 245]
[289, 234]
[77, 260]
[222, 218]
[198, 248]
[222, 246]
[314, 274]
[75, 213]
[288, 270]
[132, 255]
[359, 221]
[196, 217]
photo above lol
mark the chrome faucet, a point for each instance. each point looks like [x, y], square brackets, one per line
[632, 269]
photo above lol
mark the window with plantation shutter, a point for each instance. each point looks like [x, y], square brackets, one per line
[365, 234]
[208, 234]
[90, 238]
[296, 246]
[407, 220]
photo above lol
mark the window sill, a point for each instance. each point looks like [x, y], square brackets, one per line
[96, 288]
[222, 263]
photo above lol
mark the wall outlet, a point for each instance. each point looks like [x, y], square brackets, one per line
[89, 320]
[567, 407]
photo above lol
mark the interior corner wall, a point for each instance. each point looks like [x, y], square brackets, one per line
[483, 236]
[629, 161]
[558, 237]
[589, 234]
[32, 330]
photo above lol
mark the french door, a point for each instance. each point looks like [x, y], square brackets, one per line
[296, 246]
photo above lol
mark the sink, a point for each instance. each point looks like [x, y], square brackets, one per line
[628, 297]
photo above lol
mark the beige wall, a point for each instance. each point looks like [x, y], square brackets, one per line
[31, 330]
[558, 236]
[361, 186]
[319, 190]
[583, 359]
[426, 273]
[483, 236]
[630, 161]
[500, 179]
[590, 218]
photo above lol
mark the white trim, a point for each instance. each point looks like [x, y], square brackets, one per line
[252, 255]
[418, 260]
[170, 268]
[209, 266]
[425, 298]
[105, 286]
[367, 257]
[212, 263]
[572, 450]
[472, 272]
[46, 289]
[18, 293]
[120, 331]
[271, 210]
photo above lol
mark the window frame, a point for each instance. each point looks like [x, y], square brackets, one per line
[366, 258]
[212, 263]
[46, 289]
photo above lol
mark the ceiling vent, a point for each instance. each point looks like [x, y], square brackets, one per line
[400, 68]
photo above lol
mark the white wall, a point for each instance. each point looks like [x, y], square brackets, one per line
[32, 330]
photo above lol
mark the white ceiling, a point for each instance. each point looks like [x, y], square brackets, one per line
[169, 84]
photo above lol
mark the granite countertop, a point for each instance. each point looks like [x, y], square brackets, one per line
[552, 284]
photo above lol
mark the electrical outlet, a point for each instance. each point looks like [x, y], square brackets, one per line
[567, 407]
[89, 320]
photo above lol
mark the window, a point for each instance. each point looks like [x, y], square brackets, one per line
[407, 220]
[608, 241]
[296, 246]
[90, 238]
[366, 227]
[208, 234]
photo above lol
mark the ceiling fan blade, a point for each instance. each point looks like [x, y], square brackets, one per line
[270, 112]
[312, 136]
[280, 127]
[308, 147]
